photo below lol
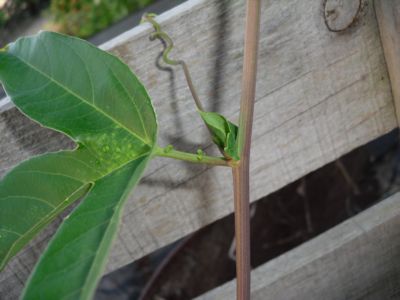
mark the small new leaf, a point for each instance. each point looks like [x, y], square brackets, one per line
[223, 133]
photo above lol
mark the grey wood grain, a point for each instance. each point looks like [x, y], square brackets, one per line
[358, 259]
[319, 95]
[388, 15]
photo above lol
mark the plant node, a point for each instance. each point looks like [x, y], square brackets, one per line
[168, 149]
[200, 154]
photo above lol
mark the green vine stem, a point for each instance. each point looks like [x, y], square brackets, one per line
[199, 157]
[165, 55]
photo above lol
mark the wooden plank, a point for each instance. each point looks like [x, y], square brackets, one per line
[319, 95]
[388, 16]
[5, 104]
[358, 259]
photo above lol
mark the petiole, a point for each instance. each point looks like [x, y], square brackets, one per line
[198, 157]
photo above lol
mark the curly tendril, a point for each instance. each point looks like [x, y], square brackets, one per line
[165, 55]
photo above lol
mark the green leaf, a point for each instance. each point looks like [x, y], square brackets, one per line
[77, 254]
[67, 84]
[223, 133]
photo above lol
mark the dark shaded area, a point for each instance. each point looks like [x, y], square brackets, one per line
[14, 11]
[15, 14]
[280, 222]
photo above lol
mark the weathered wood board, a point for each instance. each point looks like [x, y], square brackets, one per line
[388, 16]
[358, 259]
[320, 94]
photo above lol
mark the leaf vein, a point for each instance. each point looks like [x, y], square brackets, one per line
[28, 197]
[50, 173]
[83, 100]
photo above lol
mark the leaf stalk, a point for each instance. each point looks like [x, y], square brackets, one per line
[199, 158]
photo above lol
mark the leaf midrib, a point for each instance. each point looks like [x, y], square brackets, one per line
[82, 99]
[112, 72]
[96, 257]
[114, 218]
[114, 75]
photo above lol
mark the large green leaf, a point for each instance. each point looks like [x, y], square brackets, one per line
[69, 85]
[77, 254]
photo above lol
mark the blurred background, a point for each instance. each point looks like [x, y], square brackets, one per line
[82, 18]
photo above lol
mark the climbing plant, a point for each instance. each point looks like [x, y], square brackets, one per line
[94, 98]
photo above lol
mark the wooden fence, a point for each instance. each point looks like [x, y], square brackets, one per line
[320, 94]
